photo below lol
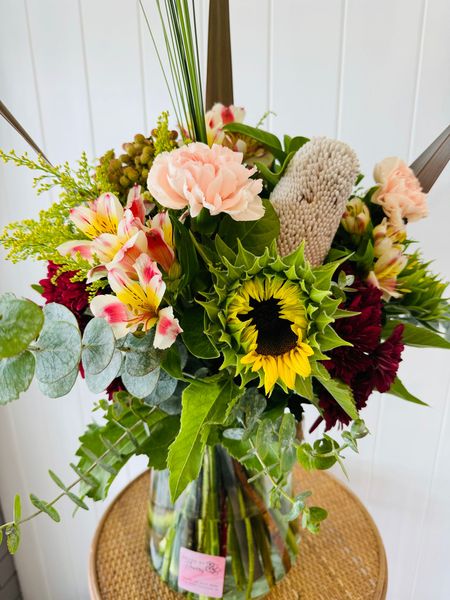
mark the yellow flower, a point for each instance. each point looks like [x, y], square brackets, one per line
[267, 317]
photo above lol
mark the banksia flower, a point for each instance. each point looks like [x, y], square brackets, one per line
[311, 196]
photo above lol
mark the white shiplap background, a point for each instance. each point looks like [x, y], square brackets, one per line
[81, 74]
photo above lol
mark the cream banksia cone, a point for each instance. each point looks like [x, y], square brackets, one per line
[311, 196]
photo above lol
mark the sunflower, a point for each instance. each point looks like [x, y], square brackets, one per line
[270, 317]
[267, 314]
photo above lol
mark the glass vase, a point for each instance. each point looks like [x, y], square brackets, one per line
[224, 513]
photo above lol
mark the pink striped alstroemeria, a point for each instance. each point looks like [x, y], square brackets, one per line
[136, 303]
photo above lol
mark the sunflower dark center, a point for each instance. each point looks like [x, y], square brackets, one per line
[275, 335]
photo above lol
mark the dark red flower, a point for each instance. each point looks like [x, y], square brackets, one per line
[116, 385]
[369, 364]
[71, 294]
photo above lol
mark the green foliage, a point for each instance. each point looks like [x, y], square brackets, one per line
[399, 390]
[99, 382]
[341, 392]
[39, 238]
[57, 351]
[423, 294]
[163, 137]
[16, 374]
[105, 449]
[255, 236]
[193, 324]
[416, 335]
[45, 508]
[268, 140]
[204, 403]
[98, 346]
[325, 452]
[20, 324]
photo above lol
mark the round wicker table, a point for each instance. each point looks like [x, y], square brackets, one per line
[346, 561]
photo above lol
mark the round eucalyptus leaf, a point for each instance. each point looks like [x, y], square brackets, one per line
[98, 382]
[20, 324]
[143, 386]
[58, 351]
[164, 389]
[60, 388]
[16, 374]
[58, 312]
[141, 356]
[172, 406]
[98, 346]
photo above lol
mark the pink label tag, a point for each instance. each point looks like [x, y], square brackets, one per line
[201, 573]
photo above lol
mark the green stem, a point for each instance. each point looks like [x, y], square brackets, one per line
[250, 546]
[78, 480]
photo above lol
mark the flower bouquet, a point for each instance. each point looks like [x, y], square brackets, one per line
[211, 282]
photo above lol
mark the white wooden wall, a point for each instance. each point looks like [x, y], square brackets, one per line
[81, 74]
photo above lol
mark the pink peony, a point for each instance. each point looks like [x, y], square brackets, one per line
[199, 177]
[399, 193]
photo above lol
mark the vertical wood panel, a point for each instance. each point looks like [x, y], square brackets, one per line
[306, 54]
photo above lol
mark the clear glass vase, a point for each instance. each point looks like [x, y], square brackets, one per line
[221, 514]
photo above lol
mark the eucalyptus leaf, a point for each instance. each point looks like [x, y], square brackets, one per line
[99, 382]
[141, 357]
[13, 538]
[16, 374]
[58, 312]
[164, 389]
[143, 386]
[44, 507]
[20, 324]
[57, 389]
[98, 346]
[58, 351]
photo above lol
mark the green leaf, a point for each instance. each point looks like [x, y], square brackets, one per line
[414, 335]
[267, 174]
[188, 257]
[199, 402]
[58, 351]
[156, 447]
[98, 346]
[13, 538]
[141, 386]
[267, 139]
[48, 510]
[134, 415]
[76, 500]
[263, 438]
[99, 382]
[20, 324]
[16, 374]
[57, 480]
[343, 395]
[175, 360]
[305, 456]
[1, 536]
[399, 390]
[57, 389]
[141, 357]
[58, 312]
[164, 389]
[17, 508]
[255, 236]
[193, 324]
[296, 143]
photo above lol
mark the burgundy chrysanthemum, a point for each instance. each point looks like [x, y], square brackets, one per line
[116, 385]
[369, 364]
[72, 294]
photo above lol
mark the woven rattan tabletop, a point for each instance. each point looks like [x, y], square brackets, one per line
[346, 561]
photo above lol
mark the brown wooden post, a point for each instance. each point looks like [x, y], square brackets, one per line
[219, 79]
[430, 164]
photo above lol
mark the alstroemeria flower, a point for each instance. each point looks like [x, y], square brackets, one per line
[136, 303]
[390, 259]
[218, 116]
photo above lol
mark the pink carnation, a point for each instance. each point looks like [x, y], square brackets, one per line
[399, 193]
[199, 177]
